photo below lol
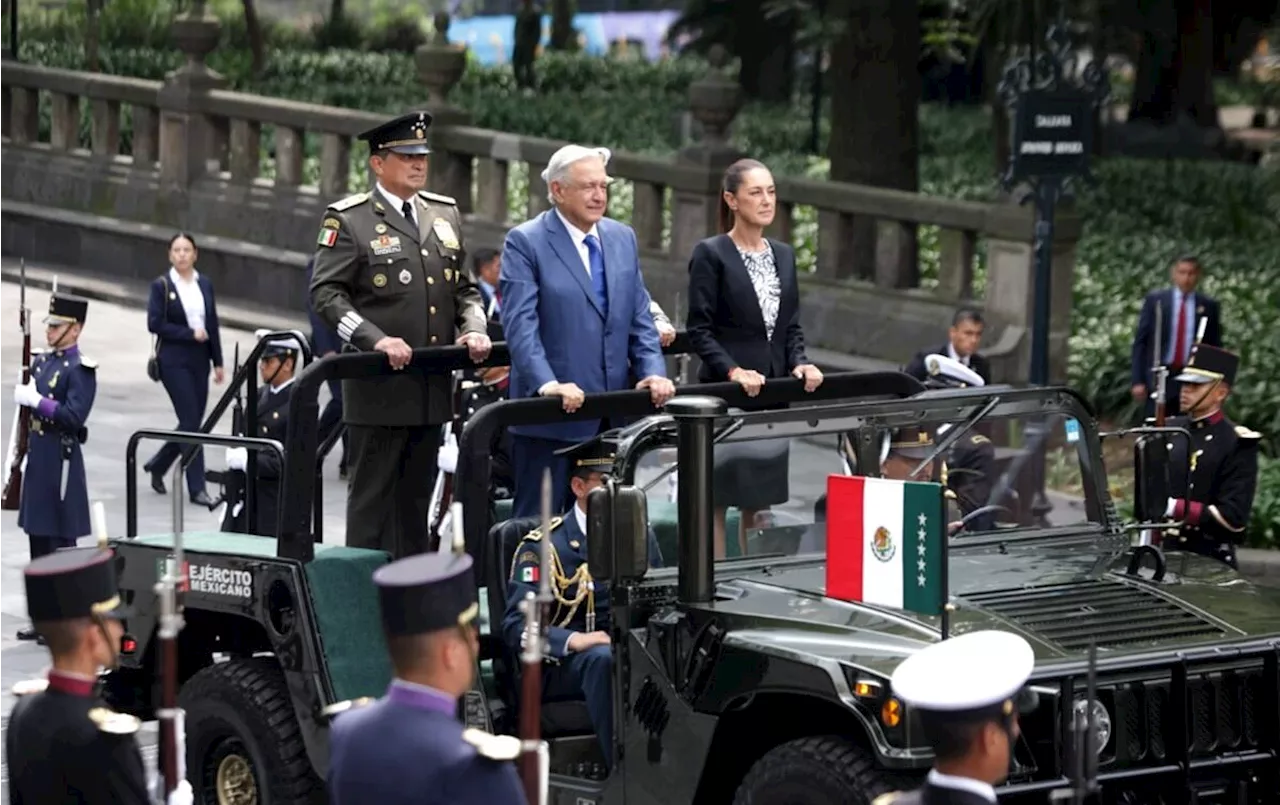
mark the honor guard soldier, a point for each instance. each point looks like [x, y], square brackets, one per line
[280, 360]
[968, 692]
[1213, 486]
[55, 497]
[63, 744]
[969, 473]
[390, 276]
[409, 746]
[578, 631]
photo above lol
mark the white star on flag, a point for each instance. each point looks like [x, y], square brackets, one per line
[923, 518]
[920, 565]
[921, 534]
[920, 581]
[920, 548]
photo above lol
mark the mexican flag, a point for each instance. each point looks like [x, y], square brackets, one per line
[885, 542]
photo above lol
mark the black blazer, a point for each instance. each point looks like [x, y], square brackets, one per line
[977, 362]
[725, 324]
[1206, 308]
[168, 321]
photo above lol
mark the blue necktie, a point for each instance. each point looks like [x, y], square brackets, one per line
[596, 258]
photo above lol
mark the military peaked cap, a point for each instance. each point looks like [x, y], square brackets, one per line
[978, 676]
[1208, 364]
[426, 592]
[406, 134]
[947, 372]
[594, 455]
[73, 583]
[910, 441]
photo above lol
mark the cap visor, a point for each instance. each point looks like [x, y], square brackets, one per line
[1197, 379]
[120, 613]
[411, 150]
[52, 319]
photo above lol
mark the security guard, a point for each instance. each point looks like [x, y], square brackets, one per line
[578, 631]
[968, 692]
[969, 472]
[279, 362]
[63, 744]
[389, 276]
[409, 746]
[55, 496]
[1213, 487]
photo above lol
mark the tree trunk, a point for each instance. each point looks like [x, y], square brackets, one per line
[1174, 78]
[766, 47]
[875, 127]
[92, 34]
[336, 9]
[256, 46]
[563, 36]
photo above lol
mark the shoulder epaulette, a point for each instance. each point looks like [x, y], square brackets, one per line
[536, 534]
[115, 723]
[1246, 433]
[349, 201]
[87, 362]
[886, 799]
[27, 687]
[978, 438]
[494, 747]
[438, 198]
[338, 708]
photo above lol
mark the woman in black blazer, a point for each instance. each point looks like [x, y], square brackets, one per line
[744, 323]
[183, 316]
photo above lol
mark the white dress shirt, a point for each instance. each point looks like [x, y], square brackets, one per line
[969, 784]
[951, 353]
[398, 203]
[191, 297]
[282, 386]
[580, 240]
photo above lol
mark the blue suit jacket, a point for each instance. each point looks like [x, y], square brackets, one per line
[167, 319]
[323, 337]
[570, 545]
[554, 326]
[391, 754]
[1206, 308]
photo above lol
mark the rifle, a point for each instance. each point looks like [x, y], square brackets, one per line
[1083, 762]
[1159, 372]
[233, 487]
[172, 764]
[442, 494]
[20, 433]
[682, 360]
[534, 755]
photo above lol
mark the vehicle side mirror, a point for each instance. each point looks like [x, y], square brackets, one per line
[618, 533]
[1151, 477]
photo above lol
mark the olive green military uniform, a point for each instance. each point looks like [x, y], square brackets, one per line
[378, 274]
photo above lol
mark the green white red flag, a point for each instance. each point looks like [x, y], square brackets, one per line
[885, 542]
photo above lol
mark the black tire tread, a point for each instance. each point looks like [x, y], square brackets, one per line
[255, 688]
[829, 756]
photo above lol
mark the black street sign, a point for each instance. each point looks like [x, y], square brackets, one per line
[1052, 134]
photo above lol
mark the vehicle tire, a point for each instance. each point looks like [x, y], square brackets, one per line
[243, 742]
[817, 770]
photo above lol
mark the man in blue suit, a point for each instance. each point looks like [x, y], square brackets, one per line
[576, 315]
[325, 341]
[1182, 310]
[54, 510]
[578, 632]
[409, 746]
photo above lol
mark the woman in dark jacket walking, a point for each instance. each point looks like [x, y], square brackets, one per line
[744, 323]
[183, 316]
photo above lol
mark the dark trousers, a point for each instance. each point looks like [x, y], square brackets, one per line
[331, 418]
[392, 470]
[43, 546]
[188, 389]
[530, 457]
[588, 674]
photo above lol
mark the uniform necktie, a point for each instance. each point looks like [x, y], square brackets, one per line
[406, 209]
[596, 258]
[1180, 340]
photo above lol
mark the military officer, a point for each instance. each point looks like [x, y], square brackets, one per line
[969, 472]
[281, 358]
[1213, 487]
[578, 632]
[409, 746]
[63, 744]
[968, 692]
[54, 510]
[389, 276]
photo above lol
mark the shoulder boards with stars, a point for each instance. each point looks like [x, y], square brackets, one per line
[348, 202]
[338, 708]
[1246, 433]
[87, 362]
[28, 687]
[494, 747]
[536, 534]
[439, 199]
[115, 723]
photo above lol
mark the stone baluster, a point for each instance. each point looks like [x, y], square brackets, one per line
[187, 136]
[714, 101]
[440, 67]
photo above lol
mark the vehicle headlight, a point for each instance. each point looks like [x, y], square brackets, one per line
[1101, 721]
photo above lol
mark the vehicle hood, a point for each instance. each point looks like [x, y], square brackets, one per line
[1059, 599]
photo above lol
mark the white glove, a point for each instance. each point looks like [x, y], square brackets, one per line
[237, 458]
[1173, 504]
[447, 458]
[182, 794]
[26, 395]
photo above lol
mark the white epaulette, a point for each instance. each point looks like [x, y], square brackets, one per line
[494, 747]
[87, 362]
[348, 202]
[28, 687]
[115, 723]
[1246, 433]
[453, 202]
[338, 708]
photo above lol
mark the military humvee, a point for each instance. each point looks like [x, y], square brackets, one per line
[740, 680]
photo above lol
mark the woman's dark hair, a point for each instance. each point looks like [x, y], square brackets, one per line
[730, 184]
[185, 235]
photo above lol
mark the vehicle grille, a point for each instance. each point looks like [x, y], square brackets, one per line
[1110, 613]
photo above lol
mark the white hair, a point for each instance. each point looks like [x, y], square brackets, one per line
[558, 166]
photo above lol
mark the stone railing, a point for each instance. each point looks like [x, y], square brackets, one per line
[196, 155]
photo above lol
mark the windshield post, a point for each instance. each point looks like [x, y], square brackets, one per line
[695, 422]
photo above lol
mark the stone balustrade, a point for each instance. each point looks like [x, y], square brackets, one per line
[196, 152]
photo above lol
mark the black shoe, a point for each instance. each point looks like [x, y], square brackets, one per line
[157, 483]
[29, 633]
[202, 498]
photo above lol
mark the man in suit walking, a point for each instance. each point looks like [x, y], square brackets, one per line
[576, 315]
[963, 340]
[1182, 309]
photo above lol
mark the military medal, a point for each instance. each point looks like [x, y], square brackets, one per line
[448, 275]
[379, 280]
[405, 277]
[381, 229]
[384, 245]
[445, 232]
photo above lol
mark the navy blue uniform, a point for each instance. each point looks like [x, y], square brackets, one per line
[409, 747]
[1214, 486]
[67, 382]
[272, 423]
[588, 674]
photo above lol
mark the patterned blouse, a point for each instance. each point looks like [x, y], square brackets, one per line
[764, 277]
